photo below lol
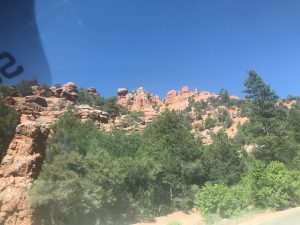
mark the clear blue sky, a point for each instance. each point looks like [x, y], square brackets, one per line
[165, 44]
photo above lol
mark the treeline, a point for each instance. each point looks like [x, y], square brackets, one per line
[272, 178]
[94, 177]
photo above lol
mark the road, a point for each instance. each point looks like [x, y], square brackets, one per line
[287, 217]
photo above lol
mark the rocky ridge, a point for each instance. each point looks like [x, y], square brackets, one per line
[152, 106]
[40, 111]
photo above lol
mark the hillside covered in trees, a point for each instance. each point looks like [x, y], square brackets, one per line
[106, 162]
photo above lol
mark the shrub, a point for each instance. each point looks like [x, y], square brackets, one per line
[224, 95]
[6, 90]
[61, 105]
[273, 186]
[224, 118]
[221, 200]
[24, 87]
[134, 118]
[108, 105]
[9, 119]
[199, 127]
[210, 123]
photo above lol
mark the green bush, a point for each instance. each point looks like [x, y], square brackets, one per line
[209, 123]
[200, 107]
[6, 90]
[133, 118]
[224, 118]
[273, 186]
[221, 200]
[108, 105]
[269, 186]
[9, 119]
[24, 87]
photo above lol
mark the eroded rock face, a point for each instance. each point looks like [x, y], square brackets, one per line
[68, 91]
[140, 100]
[18, 169]
[179, 100]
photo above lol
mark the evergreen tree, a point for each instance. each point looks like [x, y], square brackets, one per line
[268, 126]
[224, 160]
[264, 113]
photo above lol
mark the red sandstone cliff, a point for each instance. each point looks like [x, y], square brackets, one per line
[19, 168]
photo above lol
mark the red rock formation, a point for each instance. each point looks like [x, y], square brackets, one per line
[122, 93]
[18, 169]
[68, 91]
[178, 100]
[140, 100]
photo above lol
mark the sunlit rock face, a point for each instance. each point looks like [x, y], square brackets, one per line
[18, 169]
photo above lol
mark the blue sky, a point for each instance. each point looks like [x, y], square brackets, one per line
[165, 44]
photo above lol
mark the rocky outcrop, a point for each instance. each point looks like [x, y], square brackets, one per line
[140, 100]
[122, 92]
[18, 169]
[122, 99]
[86, 112]
[68, 91]
[93, 92]
[179, 100]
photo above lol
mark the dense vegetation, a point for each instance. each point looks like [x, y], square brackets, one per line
[23, 88]
[9, 119]
[272, 177]
[94, 177]
[116, 177]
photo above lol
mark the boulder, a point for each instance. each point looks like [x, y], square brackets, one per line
[68, 91]
[122, 91]
[92, 91]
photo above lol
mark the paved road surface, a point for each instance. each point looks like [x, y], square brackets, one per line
[291, 218]
[286, 217]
